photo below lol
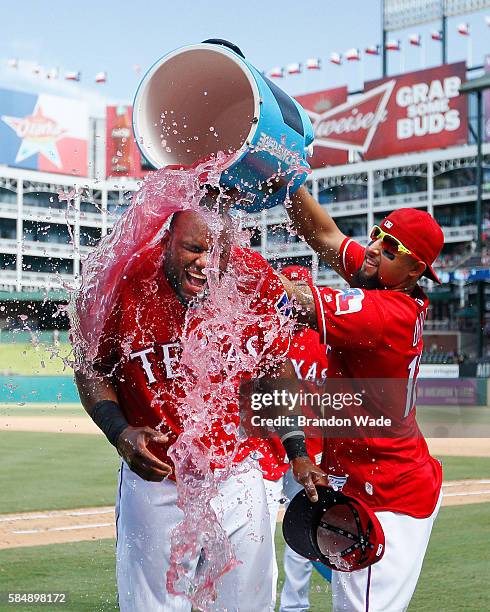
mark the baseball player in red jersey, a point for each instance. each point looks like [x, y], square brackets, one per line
[139, 356]
[309, 361]
[374, 330]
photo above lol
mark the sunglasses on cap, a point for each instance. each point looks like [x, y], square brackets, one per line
[389, 243]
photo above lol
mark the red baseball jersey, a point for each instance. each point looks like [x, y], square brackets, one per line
[310, 362]
[377, 334]
[140, 349]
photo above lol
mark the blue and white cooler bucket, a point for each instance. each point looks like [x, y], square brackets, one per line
[202, 99]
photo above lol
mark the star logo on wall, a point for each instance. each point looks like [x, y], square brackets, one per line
[39, 134]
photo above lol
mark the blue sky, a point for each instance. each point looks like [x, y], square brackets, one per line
[111, 35]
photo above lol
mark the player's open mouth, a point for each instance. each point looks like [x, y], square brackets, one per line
[370, 263]
[195, 280]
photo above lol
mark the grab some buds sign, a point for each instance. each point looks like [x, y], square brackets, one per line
[425, 111]
[411, 112]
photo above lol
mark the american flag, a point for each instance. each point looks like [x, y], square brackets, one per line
[276, 73]
[436, 35]
[294, 68]
[393, 45]
[313, 63]
[352, 55]
[415, 40]
[372, 50]
[101, 77]
[464, 29]
[72, 76]
[335, 58]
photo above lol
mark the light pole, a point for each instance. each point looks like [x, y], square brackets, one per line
[478, 86]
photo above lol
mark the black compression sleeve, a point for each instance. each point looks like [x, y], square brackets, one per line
[108, 416]
[295, 446]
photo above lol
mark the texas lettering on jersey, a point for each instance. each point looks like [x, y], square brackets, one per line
[141, 348]
[309, 359]
[169, 357]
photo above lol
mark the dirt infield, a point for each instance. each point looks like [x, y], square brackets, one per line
[49, 424]
[459, 447]
[56, 527]
[62, 526]
[452, 447]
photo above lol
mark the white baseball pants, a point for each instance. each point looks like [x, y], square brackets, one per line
[387, 586]
[297, 569]
[146, 512]
[273, 490]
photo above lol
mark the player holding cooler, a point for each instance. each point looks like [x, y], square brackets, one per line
[374, 331]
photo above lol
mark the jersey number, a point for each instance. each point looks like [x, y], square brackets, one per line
[412, 384]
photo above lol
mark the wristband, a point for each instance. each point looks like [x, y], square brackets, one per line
[108, 417]
[295, 446]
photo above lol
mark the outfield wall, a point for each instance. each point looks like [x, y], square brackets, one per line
[38, 389]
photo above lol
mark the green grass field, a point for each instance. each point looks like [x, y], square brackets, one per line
[35, 410]
[51, 471]
[30, 360]
[43, 471]
[453, 577]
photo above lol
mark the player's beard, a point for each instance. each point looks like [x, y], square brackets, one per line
[362, 281]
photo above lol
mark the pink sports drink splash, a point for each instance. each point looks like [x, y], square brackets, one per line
[213, 329]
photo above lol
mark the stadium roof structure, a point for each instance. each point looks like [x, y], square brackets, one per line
[475, 85]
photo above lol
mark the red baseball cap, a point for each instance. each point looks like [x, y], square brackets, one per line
[419, 232]
[338, 530]
[297, 273]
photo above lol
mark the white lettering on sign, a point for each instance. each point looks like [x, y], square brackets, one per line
[428, 110]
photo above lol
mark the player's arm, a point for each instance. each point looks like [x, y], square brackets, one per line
[99, 398]
[316, 226]
[292, 436]
[301, 297]
[344, 319]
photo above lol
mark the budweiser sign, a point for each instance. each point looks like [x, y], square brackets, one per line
[411, 112]
[352, 125]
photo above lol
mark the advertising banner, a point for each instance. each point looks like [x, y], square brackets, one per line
[43, 132]
[318, 105]
[424, 111]
[416, 111]
[450, 392]
[123, 157]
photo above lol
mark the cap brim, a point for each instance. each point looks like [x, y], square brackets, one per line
[299, 517]
[429, 273]
[302, 517]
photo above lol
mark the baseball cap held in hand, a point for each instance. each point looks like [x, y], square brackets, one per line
[340, 531]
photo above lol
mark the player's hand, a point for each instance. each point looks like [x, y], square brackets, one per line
[132, 446]
[308, 474]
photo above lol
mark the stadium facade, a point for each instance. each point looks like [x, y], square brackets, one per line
[49, 220]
